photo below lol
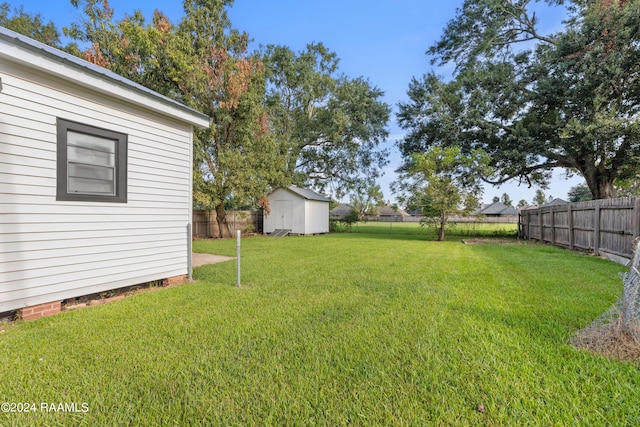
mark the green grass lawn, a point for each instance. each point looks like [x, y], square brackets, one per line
[345, 329]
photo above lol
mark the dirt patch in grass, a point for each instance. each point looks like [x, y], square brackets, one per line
[610, 340]
[493, 241]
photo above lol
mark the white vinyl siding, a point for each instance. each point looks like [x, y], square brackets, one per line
[52, 249]
[316, 217]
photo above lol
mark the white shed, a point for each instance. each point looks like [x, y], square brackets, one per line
[95, 179]
[298, 210]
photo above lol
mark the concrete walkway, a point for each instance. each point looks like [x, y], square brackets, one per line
[203, 259]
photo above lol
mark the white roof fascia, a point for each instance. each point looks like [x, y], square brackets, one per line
[36, 55]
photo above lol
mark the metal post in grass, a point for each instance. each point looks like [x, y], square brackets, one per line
[190, 251]
[238, 257]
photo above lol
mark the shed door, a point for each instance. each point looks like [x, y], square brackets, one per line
[284, 212]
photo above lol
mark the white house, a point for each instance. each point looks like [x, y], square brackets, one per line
[95, 179]
[298, 210]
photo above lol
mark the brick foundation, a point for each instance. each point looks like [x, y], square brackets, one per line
[37, 311]
[175, 280]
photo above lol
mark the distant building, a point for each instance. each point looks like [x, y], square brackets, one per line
[496, 209]
[297, 210]
[340, 211]
[388, 213]
[555, 202]
[524, 208]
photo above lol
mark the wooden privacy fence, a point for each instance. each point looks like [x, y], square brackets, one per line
[205, 224]
[607, 225]
[499, 219]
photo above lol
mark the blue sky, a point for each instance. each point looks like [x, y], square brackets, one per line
[382, 40]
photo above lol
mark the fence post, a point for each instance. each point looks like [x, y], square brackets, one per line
[553, 226]
[208, 215]
[238, 258]
[541, 223]
[636, 218]
[596, 231]
[570, 223]
[189, 252]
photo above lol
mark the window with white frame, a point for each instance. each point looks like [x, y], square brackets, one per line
[92, 163]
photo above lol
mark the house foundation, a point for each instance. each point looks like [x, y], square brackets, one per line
[41, 310]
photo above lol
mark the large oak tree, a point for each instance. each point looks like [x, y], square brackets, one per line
[536, 101]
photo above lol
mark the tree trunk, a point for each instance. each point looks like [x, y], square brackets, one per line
[443, 222]
[221, 218]
[606, 190]
[600, 186]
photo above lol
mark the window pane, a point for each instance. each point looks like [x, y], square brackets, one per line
[91, 172]
[91, 163]
[85, 155]
[91, 142]
[90, 186]
[82, 148]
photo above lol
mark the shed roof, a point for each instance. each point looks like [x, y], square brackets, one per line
[308, 194]
[24, 50]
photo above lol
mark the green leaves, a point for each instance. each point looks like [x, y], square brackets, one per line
[329, 126]
[201, 62]
[484, 29]
[32, 26]
[444, 181]
[570, 101]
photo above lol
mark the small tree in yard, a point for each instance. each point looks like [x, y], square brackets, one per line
[366, 197]
[345, 223]
[443, 182]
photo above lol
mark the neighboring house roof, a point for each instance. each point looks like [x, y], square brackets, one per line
[387, 210]
[308, 194]
[341, 210]
[38, 55]
[497, 208]
[525, 208]
[554, 202]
